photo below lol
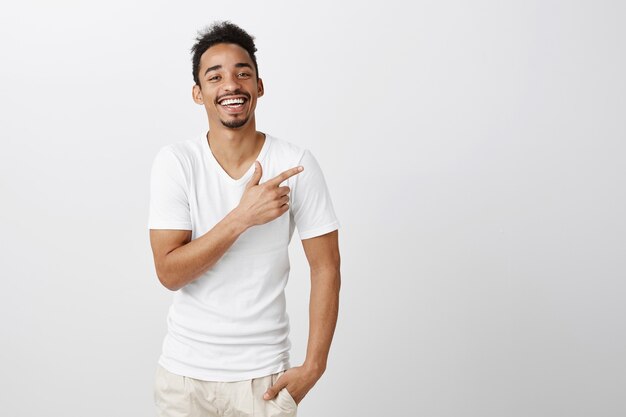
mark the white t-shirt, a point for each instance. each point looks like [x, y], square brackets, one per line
[231, 324]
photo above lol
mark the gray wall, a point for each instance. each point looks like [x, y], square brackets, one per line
[475, 155]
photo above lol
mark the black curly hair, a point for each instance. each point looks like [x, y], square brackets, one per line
[221, 32]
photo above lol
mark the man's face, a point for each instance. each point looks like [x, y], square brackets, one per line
[230, 87]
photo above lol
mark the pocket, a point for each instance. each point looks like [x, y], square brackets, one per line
[159, 379]
[289, 397]
[169, 389]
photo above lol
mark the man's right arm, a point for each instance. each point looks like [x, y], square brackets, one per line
[179, 260]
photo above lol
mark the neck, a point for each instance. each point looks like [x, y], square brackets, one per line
[235, 147]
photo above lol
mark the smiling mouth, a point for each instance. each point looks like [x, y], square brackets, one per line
[233, 104]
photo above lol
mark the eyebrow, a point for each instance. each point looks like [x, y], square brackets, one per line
[238, 65]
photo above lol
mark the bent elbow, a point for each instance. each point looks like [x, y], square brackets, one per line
[168, 281]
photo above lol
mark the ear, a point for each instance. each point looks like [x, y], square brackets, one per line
[259, 83]
[196, 94]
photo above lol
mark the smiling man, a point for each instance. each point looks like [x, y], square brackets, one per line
[223, 208]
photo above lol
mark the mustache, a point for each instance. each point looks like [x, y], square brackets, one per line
[234, 93]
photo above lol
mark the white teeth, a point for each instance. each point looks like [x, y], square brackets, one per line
[230, 101]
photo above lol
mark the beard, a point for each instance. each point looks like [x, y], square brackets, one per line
[234, 124]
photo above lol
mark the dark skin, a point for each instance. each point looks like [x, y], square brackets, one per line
[227, 72]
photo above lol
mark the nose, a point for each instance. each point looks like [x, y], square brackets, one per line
[231, 83]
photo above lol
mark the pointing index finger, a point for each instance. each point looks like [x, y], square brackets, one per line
[275, 182]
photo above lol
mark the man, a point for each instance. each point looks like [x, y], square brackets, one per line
[223, 208]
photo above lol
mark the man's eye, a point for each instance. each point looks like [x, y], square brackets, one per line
[214, 78]
[244, 74]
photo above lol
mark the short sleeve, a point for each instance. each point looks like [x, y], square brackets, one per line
[311, 204]
[169, 204]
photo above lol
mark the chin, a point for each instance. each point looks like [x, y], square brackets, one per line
[234, 124]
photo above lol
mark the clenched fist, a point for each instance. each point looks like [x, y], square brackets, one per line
[261, 203]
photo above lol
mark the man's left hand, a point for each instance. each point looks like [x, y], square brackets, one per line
[298, 381]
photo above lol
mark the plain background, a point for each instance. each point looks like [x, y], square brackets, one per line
[474, 151]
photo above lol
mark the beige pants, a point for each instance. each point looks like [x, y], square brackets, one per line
[178, 396]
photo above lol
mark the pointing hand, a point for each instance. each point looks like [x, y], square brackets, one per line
[262, 203]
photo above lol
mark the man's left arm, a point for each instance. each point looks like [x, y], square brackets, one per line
[322, 253]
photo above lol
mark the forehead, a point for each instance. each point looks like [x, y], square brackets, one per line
[224, 54]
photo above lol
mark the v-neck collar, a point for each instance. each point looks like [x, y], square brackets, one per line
[244, 179]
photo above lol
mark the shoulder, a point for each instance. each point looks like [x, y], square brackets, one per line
[185, 152]
[285, 150]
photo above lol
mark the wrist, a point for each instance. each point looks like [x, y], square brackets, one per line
[315, 367]
[238, 221]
